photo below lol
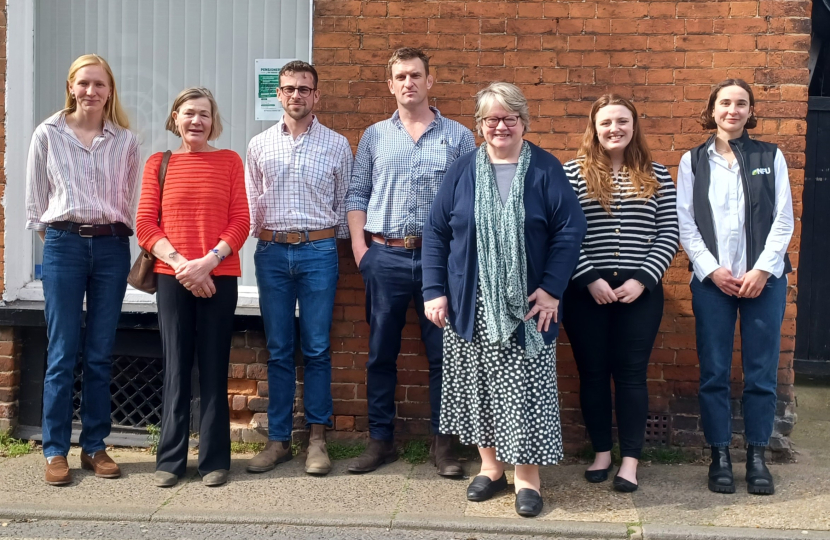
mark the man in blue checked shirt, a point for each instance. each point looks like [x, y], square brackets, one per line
[399, 167]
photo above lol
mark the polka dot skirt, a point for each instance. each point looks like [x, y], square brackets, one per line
[494, 396]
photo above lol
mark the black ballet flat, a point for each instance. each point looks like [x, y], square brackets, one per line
[528, 502]
[482, 488]
[599, 475]
[624, 486]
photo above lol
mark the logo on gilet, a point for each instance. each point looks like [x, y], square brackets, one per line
[761, 170]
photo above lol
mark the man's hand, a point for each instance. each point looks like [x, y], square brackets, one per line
[602, 292]
[436, 311]
[726, 282]
[359, 248]
[629, 291]
[546, 306]
[753, 284]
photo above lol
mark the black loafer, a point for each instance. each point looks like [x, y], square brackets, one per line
[624, 486]
[528, 502]
[482, 488]
[599, 475]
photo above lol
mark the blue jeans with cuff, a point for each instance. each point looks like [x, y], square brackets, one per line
[761, 319]
[287, 274]
[73, 267]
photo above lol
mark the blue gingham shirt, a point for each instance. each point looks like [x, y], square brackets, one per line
[395, 179]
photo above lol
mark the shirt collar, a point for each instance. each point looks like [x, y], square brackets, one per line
[59, 121]
[396, 118]
[284, 130]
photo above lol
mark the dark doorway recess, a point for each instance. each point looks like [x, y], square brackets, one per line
[812, 344]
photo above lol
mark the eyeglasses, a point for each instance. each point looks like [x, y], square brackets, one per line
[304, 91]
[493, 121]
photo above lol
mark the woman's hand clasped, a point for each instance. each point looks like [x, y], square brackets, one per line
[602, 292]
[194, 275]
[436, 311]
[546, 306]
[629, 291]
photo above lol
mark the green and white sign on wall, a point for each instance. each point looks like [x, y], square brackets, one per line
[267, 72]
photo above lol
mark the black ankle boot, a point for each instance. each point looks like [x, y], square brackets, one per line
[720, 471]
[758, 477]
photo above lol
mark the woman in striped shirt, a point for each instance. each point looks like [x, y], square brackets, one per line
[204, 222]
[80, 180]
[614, 303]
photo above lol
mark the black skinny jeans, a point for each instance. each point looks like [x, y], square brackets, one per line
[195, 329]
[613, 340]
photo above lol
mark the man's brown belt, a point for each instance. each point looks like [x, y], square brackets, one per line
[295, 237]
[408, 242]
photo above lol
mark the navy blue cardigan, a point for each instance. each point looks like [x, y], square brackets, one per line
[554, 228]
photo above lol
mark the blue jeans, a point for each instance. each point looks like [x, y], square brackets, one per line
[393, 278]
[74, 266]
[761, 318]
[286, 274]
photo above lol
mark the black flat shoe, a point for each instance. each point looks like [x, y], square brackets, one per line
[720, 471]
[758, 478]
[599, 475]
[528, 502]
[482, 488]
[624, 486]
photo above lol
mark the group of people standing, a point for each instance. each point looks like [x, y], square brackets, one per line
[495, 244]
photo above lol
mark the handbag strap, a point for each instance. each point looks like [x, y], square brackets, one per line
[165, 159]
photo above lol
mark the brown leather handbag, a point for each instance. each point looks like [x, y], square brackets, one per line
[142, 276]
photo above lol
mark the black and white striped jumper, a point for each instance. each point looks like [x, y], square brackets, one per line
[638, 239]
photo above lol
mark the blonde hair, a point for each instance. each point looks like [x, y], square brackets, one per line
[508, 96]
[186, 95]
[113, 111]
[596, 167]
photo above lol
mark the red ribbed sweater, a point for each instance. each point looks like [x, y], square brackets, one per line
[204, 202]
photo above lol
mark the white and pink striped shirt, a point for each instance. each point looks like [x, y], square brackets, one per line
[66, 181]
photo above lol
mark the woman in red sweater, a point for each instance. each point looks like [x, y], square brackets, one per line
[203, 224]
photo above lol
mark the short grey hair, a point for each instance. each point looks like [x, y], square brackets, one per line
[508, 96]
[188, 94]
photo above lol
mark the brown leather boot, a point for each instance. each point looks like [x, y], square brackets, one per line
[57, 472]
[275, 452]
[376, 454]
[443, 457]
[101, 463]
[317, 461]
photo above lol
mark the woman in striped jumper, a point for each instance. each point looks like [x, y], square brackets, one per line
[614, 303]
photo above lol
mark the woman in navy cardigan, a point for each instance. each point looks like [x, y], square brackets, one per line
[499, 247]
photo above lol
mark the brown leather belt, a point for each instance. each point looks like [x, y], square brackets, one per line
[295, 237]
[408, 242]
[88, 231]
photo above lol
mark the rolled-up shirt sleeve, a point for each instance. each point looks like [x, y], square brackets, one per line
[778, 240]
[253, 187]
[37, 181]
[360, 186]
[342, 177]
[703, 261]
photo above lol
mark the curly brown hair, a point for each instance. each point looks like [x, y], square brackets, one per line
[706, 118]
[596, 167]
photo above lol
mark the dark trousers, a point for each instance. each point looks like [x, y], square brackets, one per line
[393, 278]
[613, 340]
[195, 329]
[715, 316]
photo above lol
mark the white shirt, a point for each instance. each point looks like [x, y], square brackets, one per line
[726, 197]
[66, 181]
[298, 184]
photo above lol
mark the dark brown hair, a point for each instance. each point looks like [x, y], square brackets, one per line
[706, 119]
[298, 66]
[408, 53]
[596, 167]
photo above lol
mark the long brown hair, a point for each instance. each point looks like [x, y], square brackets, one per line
[706, 118]
[113, 111]
[596, 167]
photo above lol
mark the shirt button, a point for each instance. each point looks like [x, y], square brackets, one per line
[617, 231]
[615, 273]
[616, 254]
[619, 207]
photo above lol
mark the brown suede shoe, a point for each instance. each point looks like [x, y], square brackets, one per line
[275, 452]
[317, 461]
[376, 454]
[443, 457]
[57, 472]
[101, 463]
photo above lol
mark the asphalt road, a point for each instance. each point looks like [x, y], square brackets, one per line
[95, 530]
